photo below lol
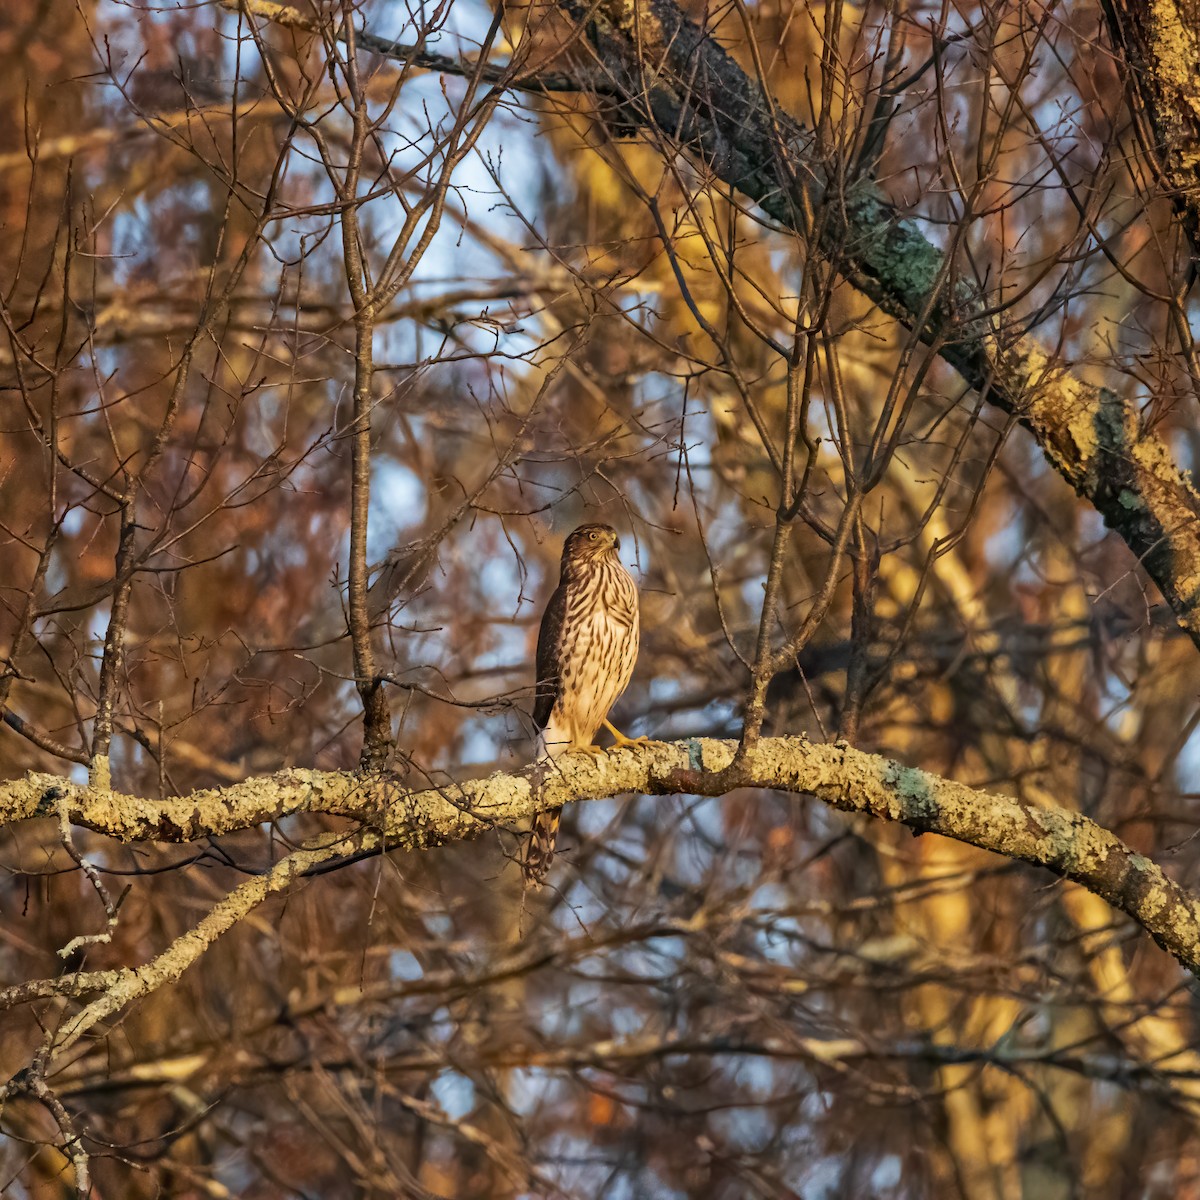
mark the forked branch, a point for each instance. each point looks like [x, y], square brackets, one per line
[1066, 843]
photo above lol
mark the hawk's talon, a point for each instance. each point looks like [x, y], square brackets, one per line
[621, 740]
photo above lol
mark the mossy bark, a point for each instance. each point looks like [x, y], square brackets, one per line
[392, 815]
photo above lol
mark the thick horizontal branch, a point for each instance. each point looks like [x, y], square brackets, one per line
[1066, 843]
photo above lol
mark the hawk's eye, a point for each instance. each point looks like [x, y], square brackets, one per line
[593, 535]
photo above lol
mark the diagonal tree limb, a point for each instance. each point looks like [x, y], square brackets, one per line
[701, 99]
[1066, 843]
[678, 83]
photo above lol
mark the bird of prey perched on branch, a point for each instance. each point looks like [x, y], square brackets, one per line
[587, 646]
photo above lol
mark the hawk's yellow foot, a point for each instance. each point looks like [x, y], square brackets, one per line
[621, 740]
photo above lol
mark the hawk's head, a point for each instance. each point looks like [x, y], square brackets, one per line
[590, 544]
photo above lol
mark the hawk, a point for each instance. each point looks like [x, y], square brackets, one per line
[587, 645]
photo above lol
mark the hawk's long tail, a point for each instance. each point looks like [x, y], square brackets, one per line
[543, 833]
[539, 853]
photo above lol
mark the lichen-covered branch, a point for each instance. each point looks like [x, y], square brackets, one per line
[702, 100]
[676, 81]
[1160, 41]
[1066, 843]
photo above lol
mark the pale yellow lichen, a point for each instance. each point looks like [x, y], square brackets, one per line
[1176, 50]
[387, 813]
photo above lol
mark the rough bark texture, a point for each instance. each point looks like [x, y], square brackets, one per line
[1160, 40]
[1066, 843]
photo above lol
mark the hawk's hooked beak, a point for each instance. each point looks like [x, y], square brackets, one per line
[616, 542]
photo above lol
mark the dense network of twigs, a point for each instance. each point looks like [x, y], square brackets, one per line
[871, 327]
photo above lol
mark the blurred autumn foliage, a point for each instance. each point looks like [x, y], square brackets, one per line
[259, 275]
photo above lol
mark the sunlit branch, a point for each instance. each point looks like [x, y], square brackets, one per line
[1067, 843]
